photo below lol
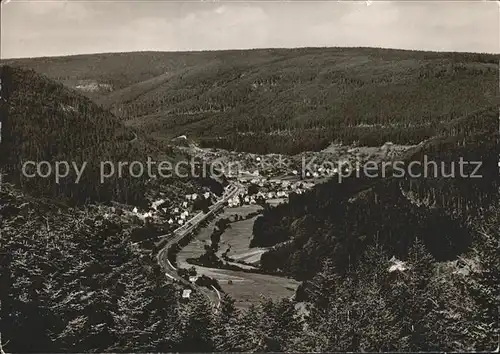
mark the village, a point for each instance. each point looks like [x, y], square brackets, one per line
[167, 214]
[249, 180]
[263, 179]
[309, 165]
[271, 191]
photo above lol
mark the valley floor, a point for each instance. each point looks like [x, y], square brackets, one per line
[245, 287]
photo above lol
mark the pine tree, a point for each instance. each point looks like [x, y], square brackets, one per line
[197, 328]
[378, 326]
[411, 298]
[484, 287]
[224, 323]
[245, 335]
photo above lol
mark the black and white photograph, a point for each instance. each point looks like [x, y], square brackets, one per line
[254, 176]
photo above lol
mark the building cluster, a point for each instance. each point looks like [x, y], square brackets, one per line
[259, 191]
[162, 211]
[326, 164]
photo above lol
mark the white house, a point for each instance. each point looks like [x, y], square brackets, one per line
[397, 265]
[156, 204]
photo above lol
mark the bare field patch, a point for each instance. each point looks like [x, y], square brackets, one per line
[252, 256]
[276, 201]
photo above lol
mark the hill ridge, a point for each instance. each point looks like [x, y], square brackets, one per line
[320, 95]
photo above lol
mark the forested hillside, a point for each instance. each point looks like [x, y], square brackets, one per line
[45, 121]
[285, 100]
[340, 220]
[72, 281]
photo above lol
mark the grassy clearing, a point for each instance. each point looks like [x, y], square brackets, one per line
[241, 210]
[250, 288]
[197, 247]
[237, 239]
[245, 288]
[275, 201]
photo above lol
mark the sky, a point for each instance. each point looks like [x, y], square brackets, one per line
[37, 28]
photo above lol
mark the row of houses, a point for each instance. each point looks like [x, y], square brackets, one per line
[267, 190]
[273, 165]
[175, 216]
[245, 199]
[276, 185]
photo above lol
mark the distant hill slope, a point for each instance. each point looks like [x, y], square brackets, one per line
[285, 100]
[339, 221]
[45, 121]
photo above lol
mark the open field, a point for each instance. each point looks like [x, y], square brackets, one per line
[275, 201]
[245, 288]
[248, 288]
[196, 247]
[243, 210]
[237, 238]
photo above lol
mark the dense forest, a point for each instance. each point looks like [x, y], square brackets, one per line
[285, 100]
[72, 281]
[339, 220]
[45, 121]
